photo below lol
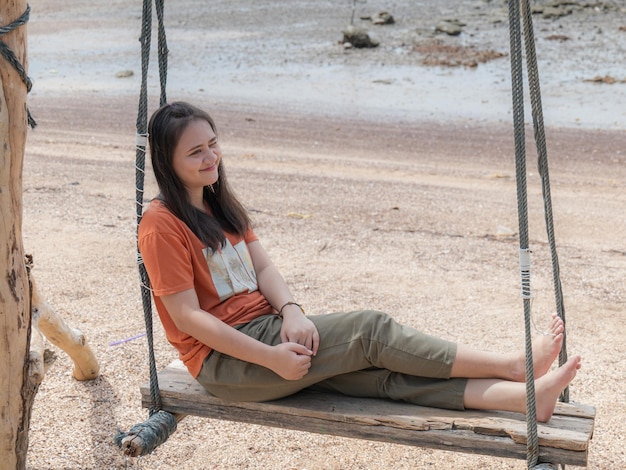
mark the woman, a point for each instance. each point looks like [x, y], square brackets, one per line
[229, 313]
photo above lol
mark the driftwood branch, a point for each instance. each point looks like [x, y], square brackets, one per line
[46, 322]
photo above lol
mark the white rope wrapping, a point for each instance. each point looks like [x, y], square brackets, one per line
[140, 263]
[141, 141]
[140, 191]
[524, 267]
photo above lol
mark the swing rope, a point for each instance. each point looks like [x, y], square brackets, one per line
[520, 158]
[532, 444]
[542, 154]
[142, 135]
[143, 438]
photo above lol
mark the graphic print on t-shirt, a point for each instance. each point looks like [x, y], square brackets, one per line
[231, 269]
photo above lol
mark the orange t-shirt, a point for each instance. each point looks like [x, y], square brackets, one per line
[225, 281]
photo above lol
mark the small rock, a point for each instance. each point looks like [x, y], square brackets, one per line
[124, 74]
[558, 37]
[450, 27]
[600, 79]
[562, 3]
[382, 17]
[504, 232]
[455, 21]
[556, 12]
[358, 38]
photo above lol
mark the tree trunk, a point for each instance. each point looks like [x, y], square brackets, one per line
[17, 391]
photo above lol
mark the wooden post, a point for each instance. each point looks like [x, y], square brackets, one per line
[17, 390]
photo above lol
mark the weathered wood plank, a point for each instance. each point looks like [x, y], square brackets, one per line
[564, 439]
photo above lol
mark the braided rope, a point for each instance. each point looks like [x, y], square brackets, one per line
[517, 80]
[162, 49]
[542, 157]
[144, 437]
[140, 164]
[12, 59]
[520, 157]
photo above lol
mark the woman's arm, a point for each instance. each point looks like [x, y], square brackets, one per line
[296, 327]
[289, 360]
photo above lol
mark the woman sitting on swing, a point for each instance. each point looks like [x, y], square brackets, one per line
[229, 313]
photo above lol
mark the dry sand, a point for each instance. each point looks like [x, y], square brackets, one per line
[361, 199]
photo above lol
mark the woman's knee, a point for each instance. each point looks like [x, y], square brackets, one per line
[376, 321]
[373, 317]
[352, 327]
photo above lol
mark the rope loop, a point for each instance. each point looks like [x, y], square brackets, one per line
[12, 59]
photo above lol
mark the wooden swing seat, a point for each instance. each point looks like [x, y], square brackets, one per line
[564, 439]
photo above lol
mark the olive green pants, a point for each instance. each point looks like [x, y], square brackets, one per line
[361, 354]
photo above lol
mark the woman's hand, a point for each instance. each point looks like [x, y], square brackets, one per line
[292, 361]
[299, 329]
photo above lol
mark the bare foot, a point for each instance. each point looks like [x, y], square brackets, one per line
[549, 387]
[546, 348]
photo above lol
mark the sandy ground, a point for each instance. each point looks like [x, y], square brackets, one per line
[374, 181]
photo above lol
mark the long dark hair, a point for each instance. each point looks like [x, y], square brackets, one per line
[228, 214]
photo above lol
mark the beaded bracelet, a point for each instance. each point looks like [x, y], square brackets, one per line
[280, 312]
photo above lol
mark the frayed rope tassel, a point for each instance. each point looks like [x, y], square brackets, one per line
[144, 437]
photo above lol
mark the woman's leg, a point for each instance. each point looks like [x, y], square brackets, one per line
[503, 395]
[383, 383]
[352, 342]
[349, 342]
[473, 363]
[371, 339]
[483, 394]
[374, 339]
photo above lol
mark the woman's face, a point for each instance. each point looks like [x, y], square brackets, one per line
[196, 158]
